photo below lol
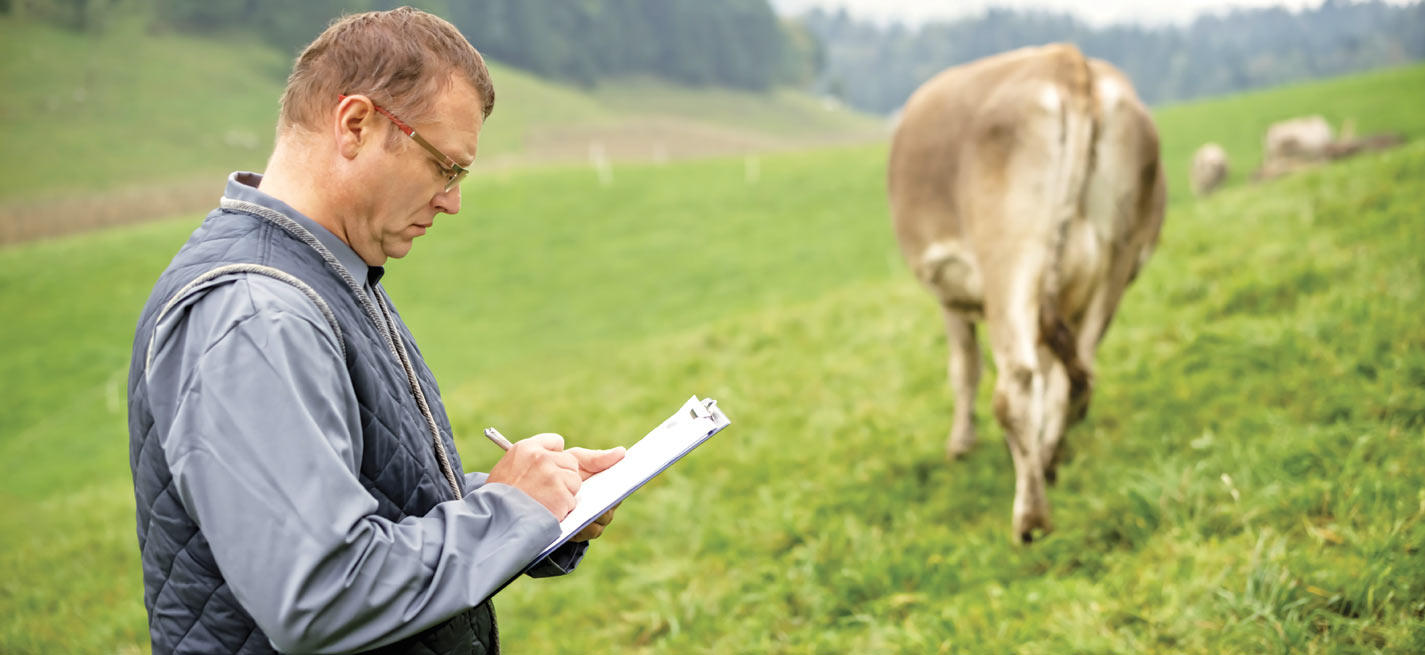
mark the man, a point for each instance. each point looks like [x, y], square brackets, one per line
[296, 478]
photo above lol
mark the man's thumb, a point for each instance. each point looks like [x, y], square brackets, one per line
[593, 461]
[607, 458]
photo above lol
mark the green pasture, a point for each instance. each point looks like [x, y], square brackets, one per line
[90, 112]
[1387, 100]
[84, 113]
[1251, 476]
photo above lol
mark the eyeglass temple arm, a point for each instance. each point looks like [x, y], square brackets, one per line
[411, 132]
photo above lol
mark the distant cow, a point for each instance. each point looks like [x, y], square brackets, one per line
[1306, 142]
[1209, 169]
[1302, 139]
[1026, 193]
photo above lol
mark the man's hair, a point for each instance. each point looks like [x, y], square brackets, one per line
[402, 59]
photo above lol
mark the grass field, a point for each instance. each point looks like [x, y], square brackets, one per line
[1249, 478]
[84, 113]
[1381, 101]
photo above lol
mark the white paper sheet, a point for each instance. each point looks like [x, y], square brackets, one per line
[685, 430]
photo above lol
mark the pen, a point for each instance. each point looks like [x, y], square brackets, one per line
[498, 438]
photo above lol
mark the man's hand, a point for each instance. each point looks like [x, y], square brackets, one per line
[595, 461]
[540, 467]
[593, 530]
[591, 462]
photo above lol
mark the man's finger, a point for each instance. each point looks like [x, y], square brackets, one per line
[571, 480]
[591, 531]
[547, 440]
[567, 461]
[594, 461]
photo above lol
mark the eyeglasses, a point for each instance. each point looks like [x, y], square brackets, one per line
[452, 171]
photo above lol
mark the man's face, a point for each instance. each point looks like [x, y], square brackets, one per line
[404, 187]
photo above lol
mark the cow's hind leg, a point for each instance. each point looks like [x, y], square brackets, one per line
[1056, 414]
[1067, 383]
[1019, 399]
[964, 374]
[1020, 395]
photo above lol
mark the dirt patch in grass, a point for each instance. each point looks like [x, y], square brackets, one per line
[82, 211]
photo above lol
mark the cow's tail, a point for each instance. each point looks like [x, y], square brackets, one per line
[1078, 130]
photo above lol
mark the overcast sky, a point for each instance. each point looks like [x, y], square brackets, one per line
[1098, 12]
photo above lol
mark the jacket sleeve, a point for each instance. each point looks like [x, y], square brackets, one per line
[560, 562]
[261, 431]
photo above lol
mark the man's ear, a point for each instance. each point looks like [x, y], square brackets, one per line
[354, 125]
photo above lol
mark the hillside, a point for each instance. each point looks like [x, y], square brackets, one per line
[1388, 100]
[1248, 479]
[106, 129]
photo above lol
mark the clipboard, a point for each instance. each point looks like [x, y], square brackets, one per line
[694, 423]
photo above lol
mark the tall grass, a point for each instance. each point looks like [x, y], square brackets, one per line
[1248, 479]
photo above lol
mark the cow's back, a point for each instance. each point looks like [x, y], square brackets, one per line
[1126, 190]
[966, 119]
[985, 155]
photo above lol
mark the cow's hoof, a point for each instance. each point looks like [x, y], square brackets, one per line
[1061, 455]
[959, 444]
[1029, 527]
[1029, 536]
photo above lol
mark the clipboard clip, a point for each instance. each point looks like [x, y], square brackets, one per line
[705, 409]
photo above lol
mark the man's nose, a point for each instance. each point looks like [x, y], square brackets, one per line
[447, 201]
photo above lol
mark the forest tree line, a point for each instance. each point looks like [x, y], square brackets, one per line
[875, 68]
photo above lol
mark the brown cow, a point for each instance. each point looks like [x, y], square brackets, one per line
[1026, 193]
